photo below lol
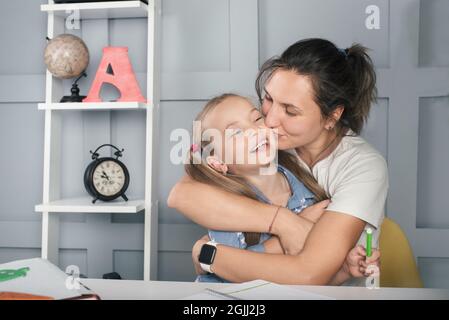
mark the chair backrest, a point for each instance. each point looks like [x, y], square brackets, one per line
[398, 266]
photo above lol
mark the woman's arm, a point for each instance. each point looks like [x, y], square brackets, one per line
[216, 209]
[324, 252]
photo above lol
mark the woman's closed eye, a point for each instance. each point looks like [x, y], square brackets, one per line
[267, 97]
[291, 111]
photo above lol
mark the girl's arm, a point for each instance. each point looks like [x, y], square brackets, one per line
[273, 245]
[216, 209]
[324, 252]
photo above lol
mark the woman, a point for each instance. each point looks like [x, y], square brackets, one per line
[318, 98]
[287, 185]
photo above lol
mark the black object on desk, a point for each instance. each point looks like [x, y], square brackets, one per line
[112, 275]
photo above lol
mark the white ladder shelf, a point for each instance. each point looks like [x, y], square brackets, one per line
[52, 203]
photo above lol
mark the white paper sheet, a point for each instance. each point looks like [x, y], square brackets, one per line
[258, 290]
[43, 278]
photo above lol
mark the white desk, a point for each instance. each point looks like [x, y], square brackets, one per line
[157, 290]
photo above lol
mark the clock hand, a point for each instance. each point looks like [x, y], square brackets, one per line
[106, 176]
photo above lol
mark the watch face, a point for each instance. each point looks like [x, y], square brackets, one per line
[207, 254]
[108, 178]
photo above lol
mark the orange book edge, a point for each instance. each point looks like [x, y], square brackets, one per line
[22, 296]
[27, 296]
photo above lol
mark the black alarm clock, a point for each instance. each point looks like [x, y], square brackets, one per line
[106, 178]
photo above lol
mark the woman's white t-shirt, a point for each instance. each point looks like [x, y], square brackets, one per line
[355, 176]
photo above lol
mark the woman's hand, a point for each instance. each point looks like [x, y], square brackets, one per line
[292, 230]
[196, 253]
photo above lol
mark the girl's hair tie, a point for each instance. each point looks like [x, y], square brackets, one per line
[194, 147]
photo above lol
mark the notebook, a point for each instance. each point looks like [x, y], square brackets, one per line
[257, 290]
[39, 279]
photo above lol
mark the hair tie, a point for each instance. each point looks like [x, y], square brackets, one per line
[344, 52]
[194, 147]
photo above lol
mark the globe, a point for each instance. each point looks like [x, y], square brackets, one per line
[66, 56]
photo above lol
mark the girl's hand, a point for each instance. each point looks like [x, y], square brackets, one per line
[356, 262]
[292, 230]
[314, 212]
[196, 253]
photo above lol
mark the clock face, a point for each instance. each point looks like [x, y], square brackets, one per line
[108, 178]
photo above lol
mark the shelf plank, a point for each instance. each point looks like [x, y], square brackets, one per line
[93, 106]
[85, 205]
[100, 10]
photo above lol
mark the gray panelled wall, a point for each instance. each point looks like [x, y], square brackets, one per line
[210, 47]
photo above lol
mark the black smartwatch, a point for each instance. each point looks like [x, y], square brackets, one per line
[207, 255]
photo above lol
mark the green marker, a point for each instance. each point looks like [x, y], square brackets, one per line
[369, 240]
[9, 274]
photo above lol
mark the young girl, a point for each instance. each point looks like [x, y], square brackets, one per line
[241, 127]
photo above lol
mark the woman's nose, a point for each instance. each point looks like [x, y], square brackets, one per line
[272, 119]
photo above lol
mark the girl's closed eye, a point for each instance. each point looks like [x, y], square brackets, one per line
[256, 115]
[235, 131]
[259, 118]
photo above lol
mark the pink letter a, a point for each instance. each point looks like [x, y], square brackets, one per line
[115, 68]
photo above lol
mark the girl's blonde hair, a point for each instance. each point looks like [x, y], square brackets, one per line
[200, 171]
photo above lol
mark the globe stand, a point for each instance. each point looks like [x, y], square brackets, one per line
[75, 96]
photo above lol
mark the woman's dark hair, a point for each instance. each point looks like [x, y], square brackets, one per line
[339, 77]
